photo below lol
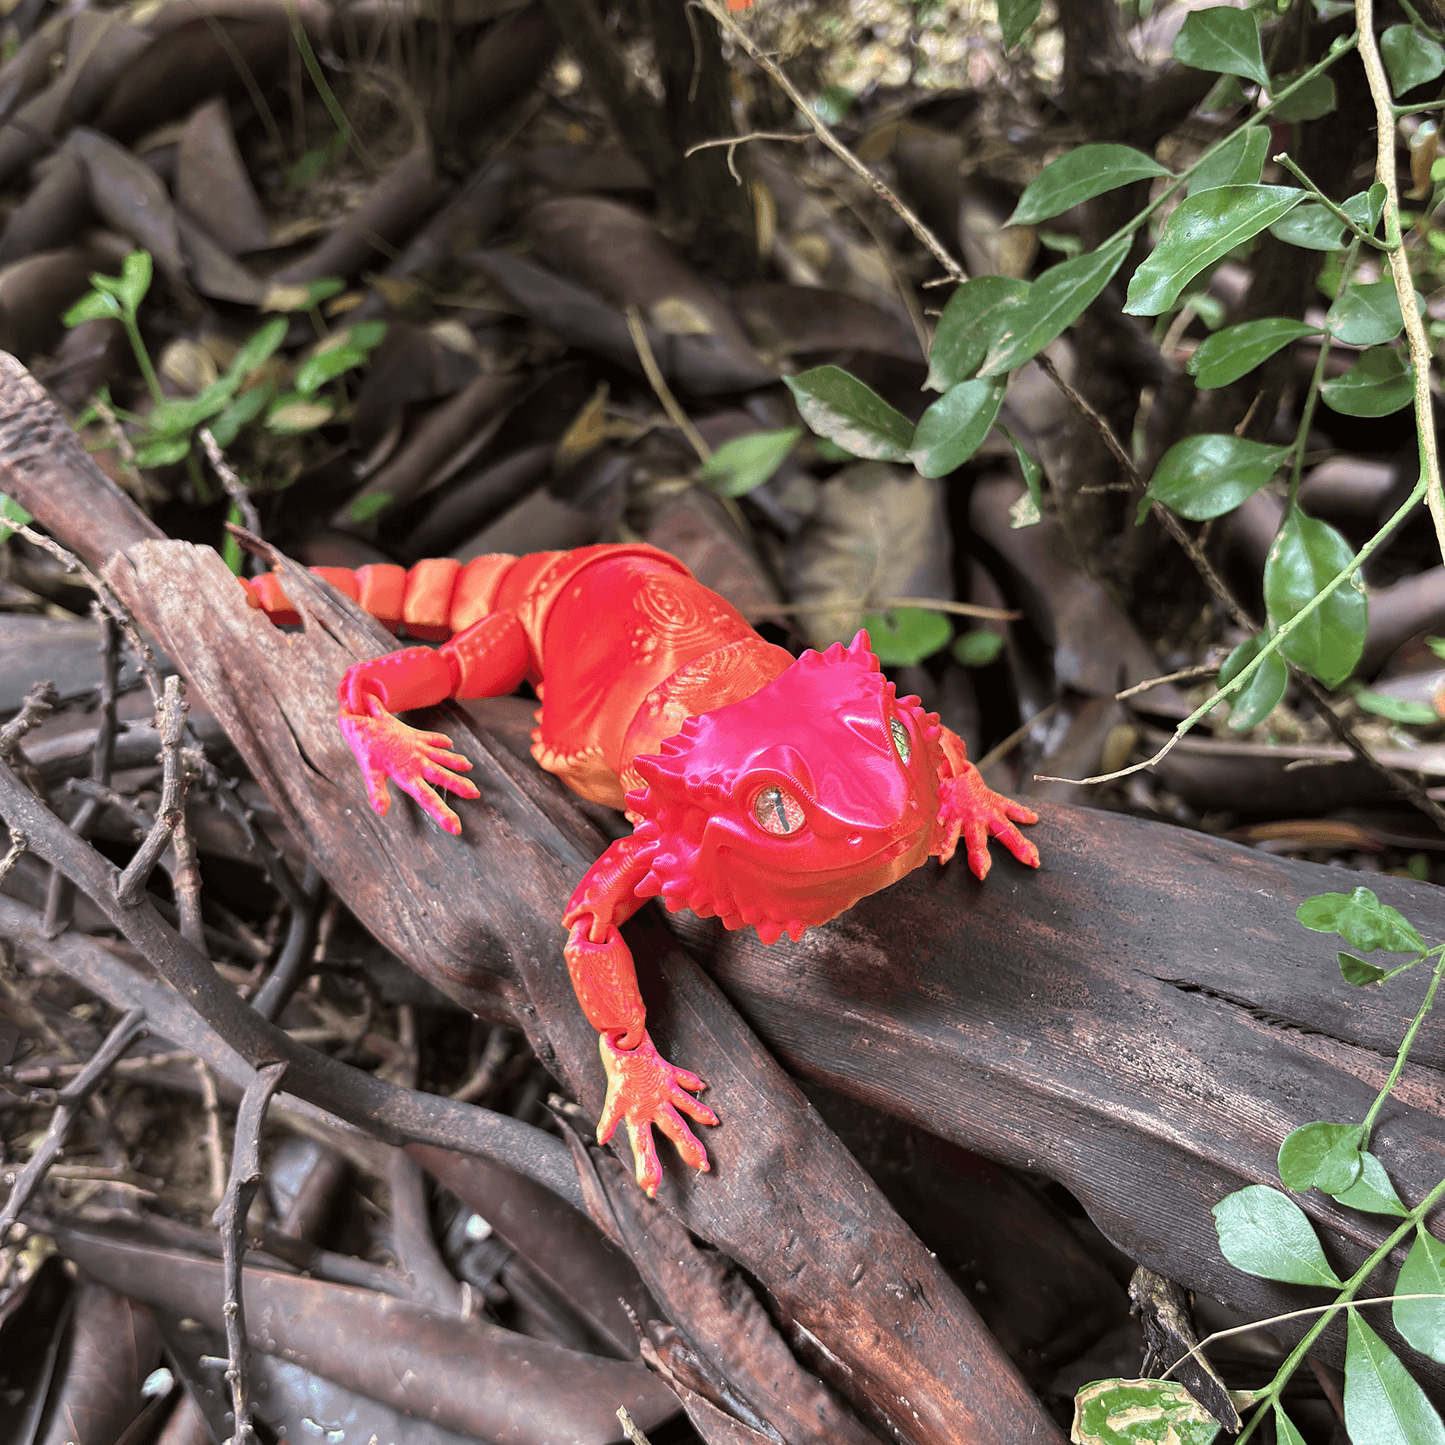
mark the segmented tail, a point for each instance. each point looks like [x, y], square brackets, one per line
[433, 600]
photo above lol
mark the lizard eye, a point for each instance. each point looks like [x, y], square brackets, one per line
[900, 739]
[778, 812]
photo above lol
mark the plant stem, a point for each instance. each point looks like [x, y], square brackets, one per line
[1259, 116]
[1400, 265]
[1284, 159]
[1312, 396]
[142, 356]
[1406, 1044]
[1351, 1287]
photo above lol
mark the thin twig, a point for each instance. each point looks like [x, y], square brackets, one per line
[215, 1140]
[231, 1219]
[732, 142]
[72, 1099]
[171, 724]
[780, 79]
[675, 414]
[479, 1082]
[630, 1430]
[928, 604]
[1400, 265]
[231, 481]
[1184, 674]
[39, 703]
[18, 846]
[1002, 749]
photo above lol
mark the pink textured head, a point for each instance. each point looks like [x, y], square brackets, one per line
[783, 809]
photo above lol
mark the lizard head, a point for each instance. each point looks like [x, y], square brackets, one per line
[785, 808]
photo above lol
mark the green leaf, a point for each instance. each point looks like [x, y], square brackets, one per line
[1211, 473]
[953, 428]
[970, 324]
[1032, 471]
[241, 413]
[294, 412]
[1205, 227]
[905, 635]
[324, 366]
[312, 165]
[12, 515]
[1263, 692]
[162, 452]
[1422, 1321]
[1383, 1404]
[258, 349]
[1372, 1192]
[1410, 58]
[1284, 1429]
[1311, 227]
[1055, 301]
[368, 335]
[1225, 94]
[738, 466]
[1366, 208]
[1321, 1156]
[1014, 17]
[93, 306]
[1316, 97]
[1356, 971]
[838, 406]
[1238, 162]
[1236, 351]
[1085, 172]
[1140, 1412]
[978, 647]
[1397, 709]
[1367, 314]
[1224, 40]
[1376, 385]
[1362, 921]
[135, 280]
[231, 553]
[1265, 1234]
[364, 508]
[1305, 556]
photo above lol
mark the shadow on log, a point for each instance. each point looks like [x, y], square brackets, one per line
[1142, 1020]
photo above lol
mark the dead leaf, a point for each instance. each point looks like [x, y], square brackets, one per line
[212, 185]
[130, 196]
[877, 531]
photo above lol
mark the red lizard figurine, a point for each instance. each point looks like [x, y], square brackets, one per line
[764, 790]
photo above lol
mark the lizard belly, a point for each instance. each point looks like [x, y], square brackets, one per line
[618, 630]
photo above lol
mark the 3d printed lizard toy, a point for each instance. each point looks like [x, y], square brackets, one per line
[764, 790]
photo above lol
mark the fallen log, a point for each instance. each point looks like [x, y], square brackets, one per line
[869, 1307]
[1142, 1020]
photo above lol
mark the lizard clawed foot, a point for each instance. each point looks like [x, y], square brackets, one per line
[386, 747]
[974, 812]
[643, 1089]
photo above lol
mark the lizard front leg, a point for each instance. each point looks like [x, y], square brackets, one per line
[486, 660]
[643, 1089]
[972, 811]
